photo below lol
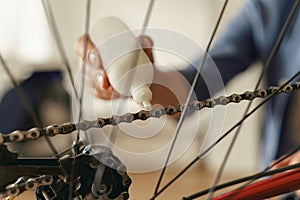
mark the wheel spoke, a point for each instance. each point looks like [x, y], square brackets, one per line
[225, 135]
[53, 28]
[265, 68]
[183, 114]
[79, 94]
[252, 178]
[25, 101]
[83, 68]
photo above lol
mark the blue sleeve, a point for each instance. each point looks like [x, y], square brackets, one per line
[232, 53]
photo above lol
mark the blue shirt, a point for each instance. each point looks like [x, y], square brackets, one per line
[248, 38]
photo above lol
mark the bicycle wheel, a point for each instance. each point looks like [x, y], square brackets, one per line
[175, 191]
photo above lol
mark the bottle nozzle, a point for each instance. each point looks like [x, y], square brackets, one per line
[147, 105]
[142, 96]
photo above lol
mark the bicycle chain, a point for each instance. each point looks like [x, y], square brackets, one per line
[114, 185]
[21, 185]
[67, 128]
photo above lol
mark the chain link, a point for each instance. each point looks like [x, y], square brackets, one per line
[22, 185]
[67, 128]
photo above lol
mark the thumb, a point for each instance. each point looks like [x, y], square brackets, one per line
[147, 44]
[105, 81]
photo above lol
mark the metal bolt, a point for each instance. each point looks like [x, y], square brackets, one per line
[102, 189]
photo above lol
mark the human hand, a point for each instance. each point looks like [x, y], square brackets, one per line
[294, 159]
[95, 74]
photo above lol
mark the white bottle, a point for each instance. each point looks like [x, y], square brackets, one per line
[128, 68]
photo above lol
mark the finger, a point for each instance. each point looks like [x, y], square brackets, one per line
[106, 94]
[94, 59]
[93, 74]
[147, 45]
[105, 81]
[92, 55]
[298, 193]
[79, 45]
[97, 78]
[283, 163]
[295, 158]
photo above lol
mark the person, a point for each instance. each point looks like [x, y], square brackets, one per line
[39, 101]
[248, 38]
[41, 88]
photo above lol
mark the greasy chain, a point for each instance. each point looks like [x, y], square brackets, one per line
[67, 128]
[21, 185]
[114, 182]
